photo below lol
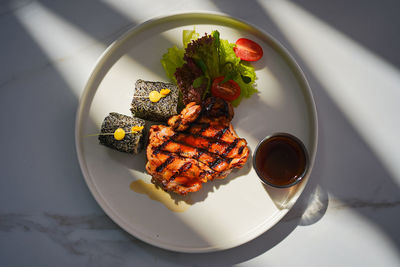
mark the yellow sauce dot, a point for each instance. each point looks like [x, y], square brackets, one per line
[119, 134]
[136, 129]
[164, 92]
[154, 96]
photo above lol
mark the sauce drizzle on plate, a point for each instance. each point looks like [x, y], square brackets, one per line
[157, 194]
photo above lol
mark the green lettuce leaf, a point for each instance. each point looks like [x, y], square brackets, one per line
[188, 36]
[204, 52]
[172, 60]
[227, 54]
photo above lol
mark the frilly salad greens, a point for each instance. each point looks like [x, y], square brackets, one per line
[202, 59]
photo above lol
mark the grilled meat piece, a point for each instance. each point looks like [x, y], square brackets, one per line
[215, 107]
[195, 148]
[188, 115]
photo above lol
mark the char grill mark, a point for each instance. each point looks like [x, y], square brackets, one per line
[221, 132]
[181, 170]
[169, 160]
[199, 140]
[212, 145]
[240, 151]
[179, 161]
[161, 147]
[215, 130]
[230, 147]
[214, 161]
[203, 127]
[199, 154]
[207, 130]
[198, 127]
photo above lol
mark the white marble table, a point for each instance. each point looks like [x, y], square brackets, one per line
[349, 214]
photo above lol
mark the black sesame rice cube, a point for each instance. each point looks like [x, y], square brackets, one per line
[160, 111]
[132, 142]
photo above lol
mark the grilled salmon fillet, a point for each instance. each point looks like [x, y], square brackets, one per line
[197, 146]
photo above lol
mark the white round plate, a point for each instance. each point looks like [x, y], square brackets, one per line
[225, 213]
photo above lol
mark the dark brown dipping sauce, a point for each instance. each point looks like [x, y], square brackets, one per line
[280, 160]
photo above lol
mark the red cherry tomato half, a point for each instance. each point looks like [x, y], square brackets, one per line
[248, 50]
[228, 91]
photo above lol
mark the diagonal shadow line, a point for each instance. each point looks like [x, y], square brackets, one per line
[99, 25]
[19, 101]
[375, 24]
[96, 27]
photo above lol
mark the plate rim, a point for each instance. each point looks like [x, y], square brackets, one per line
[280, 48]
